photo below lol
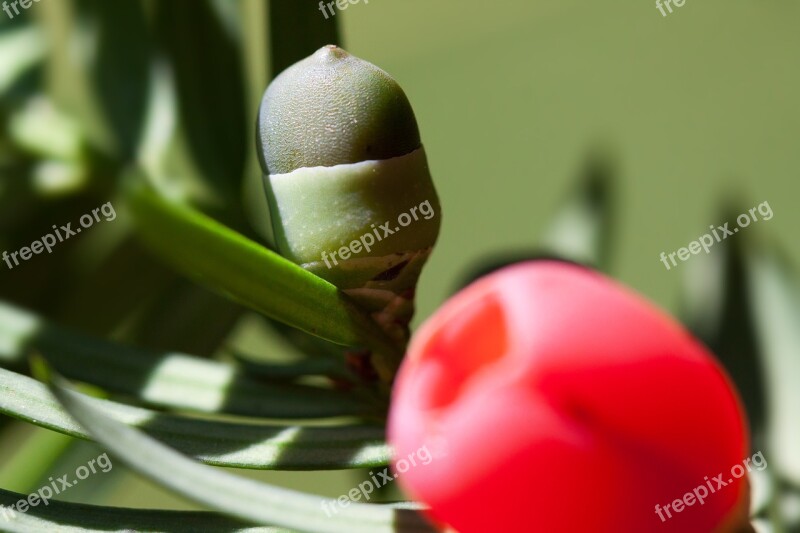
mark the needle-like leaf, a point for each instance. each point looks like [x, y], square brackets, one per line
[216, 442]
[241, 498]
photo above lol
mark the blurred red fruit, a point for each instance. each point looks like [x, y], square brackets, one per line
[554, 400]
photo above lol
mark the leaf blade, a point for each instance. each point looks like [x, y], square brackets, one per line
[775, 293]
[242, 498]
[80, 518]
[166, 379]
[214, 442]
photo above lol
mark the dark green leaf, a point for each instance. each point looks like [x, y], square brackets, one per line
[775, 296]
[204, 53]
[718, 310]
[297, 29]
[174, 380]
[96, 519]
[122, 68]
[581, 230]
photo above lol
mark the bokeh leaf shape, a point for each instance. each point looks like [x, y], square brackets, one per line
[775, 293]
[717, 308]
[204, 52]
[241, 498]
[122, 69]
[581, 229]
[99, 67]
[21, 47]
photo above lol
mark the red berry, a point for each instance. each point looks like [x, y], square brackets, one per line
[554, 400]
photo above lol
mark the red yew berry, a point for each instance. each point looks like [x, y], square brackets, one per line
[554, 400]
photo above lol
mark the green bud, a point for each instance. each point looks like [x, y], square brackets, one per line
[347, 179]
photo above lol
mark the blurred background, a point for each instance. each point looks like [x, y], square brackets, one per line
[602, 132]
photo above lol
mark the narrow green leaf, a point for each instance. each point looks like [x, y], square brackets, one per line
[242, 498]
[582, 228]
[717, 309]
[121, 68]
[220, 443]
[256, 50]
[79, 518]
[775, 293]
[173, 380]
[228, 262]
[204, 51]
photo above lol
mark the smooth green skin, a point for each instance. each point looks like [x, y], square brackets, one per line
[332, 109]
[321, 209]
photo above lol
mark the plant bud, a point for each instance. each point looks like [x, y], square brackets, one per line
[347, 180]
[552, 399]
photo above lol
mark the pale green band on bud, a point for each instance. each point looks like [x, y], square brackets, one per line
[321, 209]
[372, 210]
